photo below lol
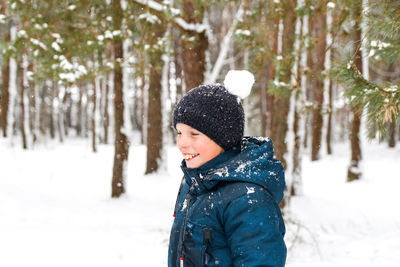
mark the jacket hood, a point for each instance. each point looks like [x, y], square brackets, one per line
[251, 161]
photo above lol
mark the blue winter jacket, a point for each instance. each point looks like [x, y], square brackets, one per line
[227, 211]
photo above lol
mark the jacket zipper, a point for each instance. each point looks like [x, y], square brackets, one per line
[182, 257]
[206, 241]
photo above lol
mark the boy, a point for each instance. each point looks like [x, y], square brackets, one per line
[227, 210]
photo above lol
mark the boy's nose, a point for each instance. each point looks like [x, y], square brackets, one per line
[183, 141]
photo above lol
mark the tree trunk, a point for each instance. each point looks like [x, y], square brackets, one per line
[5, 75]
[43, 116]
[5, 97]
[21, 89]
[263, 101]
[67, 111]
[178, 66]
[317, 82]
[79, 112]
[154, 121]
[280, 107]
[51, 110]
[143, 106]
[330, 89]
[60, 112]
[194, 45]
[86, 121]
[94, 107]
[354, 172]
[392, 124]
[295, 187]
[121, 140]
[33, 120]
[392, 134]
[273, 35]
[154, 114]
[330, 113]
[268, 69]
[105, 109]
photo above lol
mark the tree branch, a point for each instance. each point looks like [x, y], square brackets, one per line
[225, 47]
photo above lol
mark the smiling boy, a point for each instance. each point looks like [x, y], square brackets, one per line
[227, 210]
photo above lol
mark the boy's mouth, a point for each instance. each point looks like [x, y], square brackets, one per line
[188, 156]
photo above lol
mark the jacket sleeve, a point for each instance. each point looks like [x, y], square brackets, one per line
[254, 229]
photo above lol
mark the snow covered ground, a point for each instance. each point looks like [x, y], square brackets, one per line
[56, 210]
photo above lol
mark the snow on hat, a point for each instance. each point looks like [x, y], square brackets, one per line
[215, 110]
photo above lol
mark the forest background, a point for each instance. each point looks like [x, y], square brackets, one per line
[112, 71]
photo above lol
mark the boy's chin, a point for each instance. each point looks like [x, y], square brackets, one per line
[192, 164]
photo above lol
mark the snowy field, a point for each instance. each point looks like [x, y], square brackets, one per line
[56, 210]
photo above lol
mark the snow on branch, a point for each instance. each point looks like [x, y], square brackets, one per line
[225, 47]
[382, 102]
[190, 26]
[181, 23]
[151, 4]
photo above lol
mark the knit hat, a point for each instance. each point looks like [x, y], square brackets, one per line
[214, 111]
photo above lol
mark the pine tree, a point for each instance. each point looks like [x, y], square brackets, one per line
[380, 98]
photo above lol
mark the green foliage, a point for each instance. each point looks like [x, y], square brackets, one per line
[380, 98]
[382, 102]
[64, 38]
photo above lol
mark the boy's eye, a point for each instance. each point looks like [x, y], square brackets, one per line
[195, 134]
[178, 133]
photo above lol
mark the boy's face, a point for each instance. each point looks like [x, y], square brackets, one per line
[196, 147]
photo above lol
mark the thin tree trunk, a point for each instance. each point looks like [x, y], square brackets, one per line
[143, 107]
[392, 134]
[60, 113]
[154, 114]
[273, 36]
[308, 82]
[33, 120]
[43, 117]
[280, 109]
[263, 101]
[105, 109]
[5, 97]
[296, 170]
[317, 82]
[121, 140]
[21, 87]
[86, 120]
[154, 122]
[392, 124]
[67, 111]
[51, 110]
[5, 75]
[330, 113]
[267, 67]
[354, 172]
[79, 112]
[398, 133]
[178, 66]
[319, 32]
[194, 45]
[296, 183]
[94, 107]
[330, 88]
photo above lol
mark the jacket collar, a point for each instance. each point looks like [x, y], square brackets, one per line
[194, 176]
[251, 161]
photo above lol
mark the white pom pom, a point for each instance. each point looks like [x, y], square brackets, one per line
[239, 82]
